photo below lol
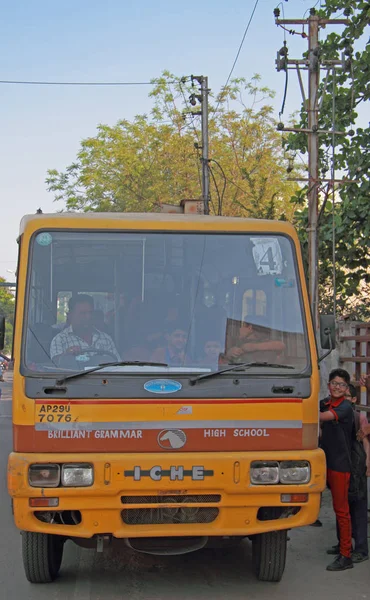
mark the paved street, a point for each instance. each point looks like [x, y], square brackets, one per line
[206, 575]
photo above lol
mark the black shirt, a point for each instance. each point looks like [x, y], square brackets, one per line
[336, 436]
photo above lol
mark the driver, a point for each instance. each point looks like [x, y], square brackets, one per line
[81, 334]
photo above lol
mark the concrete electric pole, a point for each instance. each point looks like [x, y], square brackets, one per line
[313, 159]
[312, 64]
[205, 157]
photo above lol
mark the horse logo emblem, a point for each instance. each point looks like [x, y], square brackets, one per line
[172, 439]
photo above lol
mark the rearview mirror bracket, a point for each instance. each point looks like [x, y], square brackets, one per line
[2, 332]
[327, 335]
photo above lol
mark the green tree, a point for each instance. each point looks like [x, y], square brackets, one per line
[136, 165]
[350, 213]
[7, 305]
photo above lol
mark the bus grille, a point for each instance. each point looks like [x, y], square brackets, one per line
[190, 499]
[168, 515]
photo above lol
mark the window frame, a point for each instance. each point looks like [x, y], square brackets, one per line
[25, 371]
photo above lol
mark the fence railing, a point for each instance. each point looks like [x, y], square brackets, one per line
[354, 349]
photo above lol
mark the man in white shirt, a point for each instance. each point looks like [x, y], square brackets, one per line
[81, 334]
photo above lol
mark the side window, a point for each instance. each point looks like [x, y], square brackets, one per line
[62, 306]
[37, 300]
[254, 303]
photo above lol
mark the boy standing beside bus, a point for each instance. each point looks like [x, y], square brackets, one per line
[336, 419]
[358, 504]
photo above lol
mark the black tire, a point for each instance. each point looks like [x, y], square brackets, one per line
[42, 556]
[269, 555]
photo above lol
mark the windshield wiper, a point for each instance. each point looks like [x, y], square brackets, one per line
[240, 367]
[123, 363]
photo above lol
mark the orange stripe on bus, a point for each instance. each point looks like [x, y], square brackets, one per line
[27, 439]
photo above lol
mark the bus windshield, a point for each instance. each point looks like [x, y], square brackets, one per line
[191, 302]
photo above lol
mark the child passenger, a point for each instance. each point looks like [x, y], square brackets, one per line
[213, 354]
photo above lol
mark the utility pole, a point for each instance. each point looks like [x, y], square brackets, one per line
[313, 160]
[205, 158]
[203, 112]
[312, 64]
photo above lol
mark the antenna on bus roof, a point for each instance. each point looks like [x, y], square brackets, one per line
[39, 211]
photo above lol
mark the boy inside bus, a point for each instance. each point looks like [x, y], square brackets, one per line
[174, 352]
[252, 342]
[213, 354]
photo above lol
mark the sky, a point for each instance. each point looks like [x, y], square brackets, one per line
[89, 40]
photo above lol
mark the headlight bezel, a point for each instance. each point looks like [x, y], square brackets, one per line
[300, 464]
[258, 465]
[281, 466]
[76, 467]
[59, 479]
[44, 483]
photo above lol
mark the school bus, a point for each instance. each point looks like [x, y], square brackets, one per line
[165, 387]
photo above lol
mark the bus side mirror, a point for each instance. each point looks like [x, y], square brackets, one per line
[2, 333]
[327, 332]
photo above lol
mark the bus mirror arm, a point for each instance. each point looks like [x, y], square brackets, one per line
[2, 332]
[327, 332]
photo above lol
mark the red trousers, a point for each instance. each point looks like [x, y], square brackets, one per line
[339, 485]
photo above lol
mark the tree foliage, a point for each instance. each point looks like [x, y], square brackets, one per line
[349, 213]
[135, 165]
[7, 305]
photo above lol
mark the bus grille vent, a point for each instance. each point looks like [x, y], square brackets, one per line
[189, 499]
[169, 516]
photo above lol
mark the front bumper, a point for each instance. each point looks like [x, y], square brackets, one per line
[226, 476]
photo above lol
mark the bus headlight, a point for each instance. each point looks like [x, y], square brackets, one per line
[77, 475]
[295, 471]
[44, 475]
[265, 472]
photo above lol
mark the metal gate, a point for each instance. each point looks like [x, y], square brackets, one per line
[354, 354]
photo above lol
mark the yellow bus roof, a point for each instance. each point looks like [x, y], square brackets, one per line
[154, 221]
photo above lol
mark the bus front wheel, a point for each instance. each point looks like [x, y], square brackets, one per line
[269, 555]
[42, 556]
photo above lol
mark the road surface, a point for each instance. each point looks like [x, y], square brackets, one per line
[205, 575]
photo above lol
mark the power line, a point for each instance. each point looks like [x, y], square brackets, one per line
[308, 10]
[235, 185]
[225, 183]
[293, 32]
[285, 92]
[217, 191]
[81, 83]
[242, 42]
[282, 9]
[241, 46]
